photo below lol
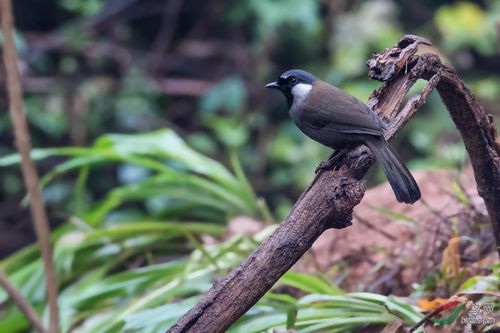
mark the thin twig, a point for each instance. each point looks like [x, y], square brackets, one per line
[374, 228]
[30, 175]
[424, 320]
[22, 304]
[164, 37]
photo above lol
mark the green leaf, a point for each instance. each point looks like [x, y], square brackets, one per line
[166, 143]
[344, 324]
[475, 29]
[404, 311]
[260, 323]
[159, 316]
[310, 284]
[291, 318]
[170, 229]
[284, 298]
[346, 301]
[459, 193]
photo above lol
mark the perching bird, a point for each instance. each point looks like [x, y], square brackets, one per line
[338, 120]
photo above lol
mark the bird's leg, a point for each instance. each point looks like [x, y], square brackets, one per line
[328, 163]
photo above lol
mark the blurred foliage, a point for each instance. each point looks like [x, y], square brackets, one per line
[182, 84]
[157, 170]
[104, 81]
[99, 298]
[476, 28]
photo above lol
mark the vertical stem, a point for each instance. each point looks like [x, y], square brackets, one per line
[22, 304]
[30, 175]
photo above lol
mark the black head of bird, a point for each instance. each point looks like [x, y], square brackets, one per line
[338, 120]
[294, 84]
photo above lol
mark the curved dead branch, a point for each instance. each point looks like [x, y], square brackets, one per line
[330, 199]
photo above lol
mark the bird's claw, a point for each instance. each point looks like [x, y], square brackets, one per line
[324, 165]
[329, 164]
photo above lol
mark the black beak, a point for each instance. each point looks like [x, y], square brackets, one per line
[272, 85]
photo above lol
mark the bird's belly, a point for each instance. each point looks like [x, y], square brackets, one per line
[336, 140]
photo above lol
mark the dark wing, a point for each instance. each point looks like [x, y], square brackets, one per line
[338, 111]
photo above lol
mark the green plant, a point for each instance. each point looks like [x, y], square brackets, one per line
[103, 296]
[168, 173]
[97, 249]
[121, 273]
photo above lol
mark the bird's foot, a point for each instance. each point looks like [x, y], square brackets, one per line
[323, 166]
[330, 162]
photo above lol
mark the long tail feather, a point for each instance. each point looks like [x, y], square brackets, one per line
[401, 180]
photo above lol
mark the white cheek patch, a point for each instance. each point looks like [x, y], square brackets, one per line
[300, 92]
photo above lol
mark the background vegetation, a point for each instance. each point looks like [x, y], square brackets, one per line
[153, 131]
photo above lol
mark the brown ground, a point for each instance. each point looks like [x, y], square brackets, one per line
[392, 245]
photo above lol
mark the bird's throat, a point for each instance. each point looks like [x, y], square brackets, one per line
[299, 93]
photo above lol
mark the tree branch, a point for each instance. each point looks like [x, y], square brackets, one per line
[22, 304]
[30, 175]
[330, 199]
[476, 127]
[478, 132]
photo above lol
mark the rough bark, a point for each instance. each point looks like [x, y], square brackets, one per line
[478, 132]
[330, 199]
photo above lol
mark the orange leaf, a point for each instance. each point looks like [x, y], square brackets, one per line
[450, 263]
[428, 305]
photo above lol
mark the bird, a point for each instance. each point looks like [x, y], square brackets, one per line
[340, 121]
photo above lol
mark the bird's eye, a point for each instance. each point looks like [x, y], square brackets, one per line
[292, 80]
